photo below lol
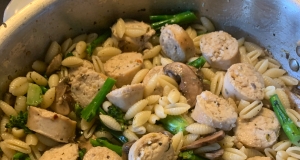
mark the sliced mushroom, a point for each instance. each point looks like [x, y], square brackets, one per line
[205, 141]
[215, 154]
[54, 64]
[63, 100]
[125, 149]
[189, 84]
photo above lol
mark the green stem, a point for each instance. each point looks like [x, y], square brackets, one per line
[89, 112]
[291, 130]
[198, 63]
[181, 18]
[91, 47]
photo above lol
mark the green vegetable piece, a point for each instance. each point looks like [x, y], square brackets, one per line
[91, 47]
[69, 54]
[19, 121]
[81, 153]
[20, 156]
[103, 142]
[89, 112]
[156, 18]
[174, 124]
[189, 155]
[181, 18]
[34, 95]
[198, 63]
[291, 130]
[44, 89]
[118, 114]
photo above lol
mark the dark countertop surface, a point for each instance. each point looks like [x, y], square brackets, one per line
[3, 4]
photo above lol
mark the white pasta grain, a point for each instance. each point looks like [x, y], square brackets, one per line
[39, 66]
[66, 45]
[232, 153]
[19, 86]
[80, 49]
[131, 136]
[153, 99]
[48, 98]
[159, 111]
[207, 24]
[269, 152]
[18, 133]
[139, 76]
[72, 61]
[53, 80]
[151, 53]
[274, 72]
[289, 81]
[251, 110]
[281, 145]
[38, 79]
[110, 122]
[189, 138]
[20, 104]
[7, 109]
[294, 116]
[107, 52]
[174, 96]
[98, 65]
[153, 119]
[294, 151]
[141, 118]
[52, 51]
[17, 145]
[269, 91]
[135, 108]
[200, 129]
[31, 139]
[284, 98]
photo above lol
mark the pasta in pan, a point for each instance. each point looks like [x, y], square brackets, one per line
[149, 95]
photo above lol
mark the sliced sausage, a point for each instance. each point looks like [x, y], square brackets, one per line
[242, 81]
[68, 151]
[123, 67]
[176, 43]
[152, 146]
[51, 124]
[85, 83]
[126, 96]
[102, 153]
[220, 49]
[259, 132]
[214, 111]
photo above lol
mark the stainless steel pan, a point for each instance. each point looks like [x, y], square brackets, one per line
[274, 24]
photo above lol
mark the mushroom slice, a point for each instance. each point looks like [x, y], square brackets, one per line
[215, 154]
[189, 84]
[62, 99]
[126, 148]
[54, 64]
[205, 141]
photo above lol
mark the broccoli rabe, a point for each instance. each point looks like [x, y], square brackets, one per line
[20, 156]
[189, 155]
[103, 142]
[19, 121]
[118, 114]
[81, 153]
